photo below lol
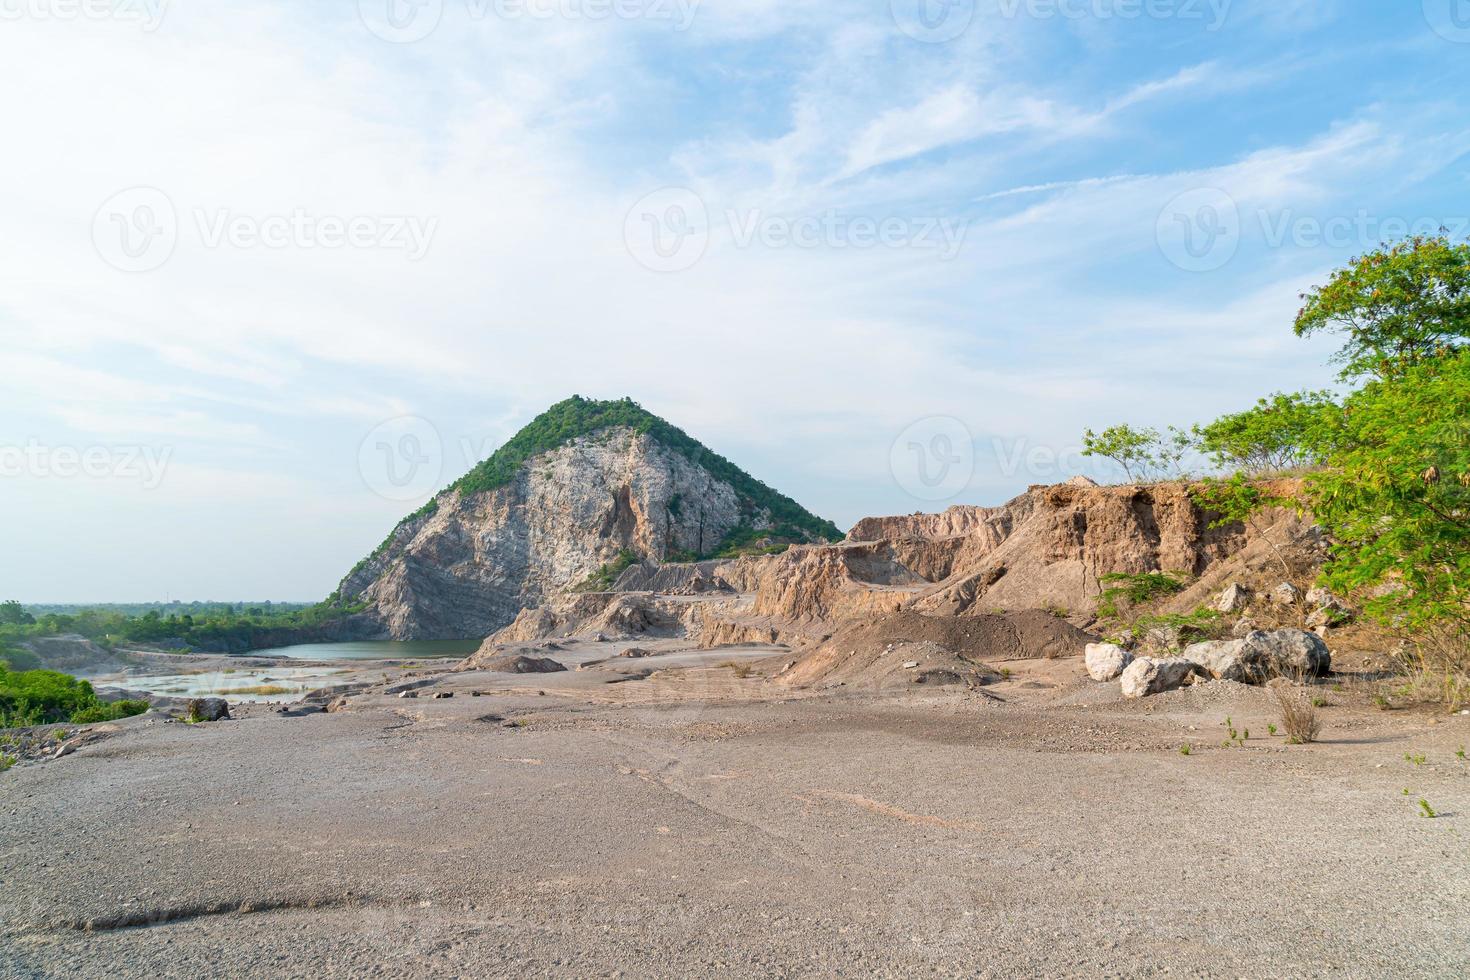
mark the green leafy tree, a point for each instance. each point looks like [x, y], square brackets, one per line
[1130, 448]
[1395, 494]
[13, 613]
[1142, 453]
[1279, 434]
[1397, 307]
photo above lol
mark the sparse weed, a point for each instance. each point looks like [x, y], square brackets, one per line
[1460, 753]
[1184, 749]
[1298, 716]
[1417, 760]
[1382, 703]
[1425, 810]
[6, 761]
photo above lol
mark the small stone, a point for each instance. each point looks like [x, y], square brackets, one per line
[1235, 598]
[910, 665]
[443, 695]
[1286, 594]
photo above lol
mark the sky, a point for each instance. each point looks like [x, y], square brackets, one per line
[273, 273]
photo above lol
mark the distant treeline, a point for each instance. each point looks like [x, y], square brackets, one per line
[175, 608]
[222, 627]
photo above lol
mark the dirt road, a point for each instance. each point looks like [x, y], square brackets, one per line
[613, 831]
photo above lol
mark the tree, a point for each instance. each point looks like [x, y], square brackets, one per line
[1395, 494]
[1279, 433]
[1398, 306]
[1141, 452]
[13, 613]
[1123, 444]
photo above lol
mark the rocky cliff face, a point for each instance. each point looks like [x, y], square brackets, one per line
[469, 567]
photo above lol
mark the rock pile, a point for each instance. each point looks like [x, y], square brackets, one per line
[1252, 659]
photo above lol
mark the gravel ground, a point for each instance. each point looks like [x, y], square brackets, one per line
[639, 828]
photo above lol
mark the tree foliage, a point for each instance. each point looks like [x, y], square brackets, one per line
[1278, 435]
[1395, 493]
[13, 613]
[1396, 307]
[222, 630]
[1142, 453]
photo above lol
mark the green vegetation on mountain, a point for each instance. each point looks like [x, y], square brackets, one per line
[579, 417]
[603, 579]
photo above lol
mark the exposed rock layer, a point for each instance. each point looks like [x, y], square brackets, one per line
[472, 565]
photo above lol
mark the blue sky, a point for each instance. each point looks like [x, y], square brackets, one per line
[246, 248]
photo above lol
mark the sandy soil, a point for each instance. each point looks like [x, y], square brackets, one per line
[692, 822]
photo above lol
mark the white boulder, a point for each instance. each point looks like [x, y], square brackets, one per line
[1149, 675]
[1259, 656]
[1106, 661]
[1224, 659]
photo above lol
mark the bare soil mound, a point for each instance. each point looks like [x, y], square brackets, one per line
[877, 649]
[516, 664]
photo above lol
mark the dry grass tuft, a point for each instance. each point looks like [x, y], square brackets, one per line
[1298, 715]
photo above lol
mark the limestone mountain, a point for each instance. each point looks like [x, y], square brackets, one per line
[582, 491]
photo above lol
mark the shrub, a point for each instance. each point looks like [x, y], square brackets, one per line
[1298, 716]
[602, 580]
[1192, 627]
[1136, 589]
[41, 697]
[116, 711]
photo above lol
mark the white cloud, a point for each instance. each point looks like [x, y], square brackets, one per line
[528, 142]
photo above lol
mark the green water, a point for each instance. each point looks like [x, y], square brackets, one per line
[375, 650]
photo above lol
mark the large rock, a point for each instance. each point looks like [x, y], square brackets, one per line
[207, 709]
[1259, 656]
[1106, 661]
[1149, 675]
[1292, 653]
[1224, 659]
